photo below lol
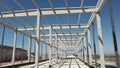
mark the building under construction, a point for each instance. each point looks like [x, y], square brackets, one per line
[58, 33]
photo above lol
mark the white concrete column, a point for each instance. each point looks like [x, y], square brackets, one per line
[60, 50]
[79, 52]
[89, 47]
[85, 50]
[14, 48]
[57, 49]
[100, 40]
[64, 51]
[50, 47]
[37, 41]
[46, 52]
[29, 49]
[114, 34]
[82, 50]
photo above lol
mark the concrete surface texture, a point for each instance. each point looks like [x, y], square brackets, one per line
[65, 63]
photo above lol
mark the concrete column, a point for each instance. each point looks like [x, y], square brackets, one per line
[22, 49]
[37, 41]
[64, 51]
[100, 40]
[57, 49]
[46, 52]
[85, 49]
[114, 34]
[81, 50]
[94, 45]
[50, 47]
[89, 47]
[78, 52]
[14, 48]
[29, 49]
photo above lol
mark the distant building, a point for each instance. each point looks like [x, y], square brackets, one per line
[6, 54]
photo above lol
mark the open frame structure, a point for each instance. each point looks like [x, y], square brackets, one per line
[48, 33]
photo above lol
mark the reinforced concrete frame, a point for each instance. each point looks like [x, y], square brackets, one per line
[83, 50]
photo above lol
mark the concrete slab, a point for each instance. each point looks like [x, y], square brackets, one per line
[66, 63]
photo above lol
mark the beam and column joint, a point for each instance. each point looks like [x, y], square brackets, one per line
[37, 40]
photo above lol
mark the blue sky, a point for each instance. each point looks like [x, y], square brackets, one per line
[106, 27]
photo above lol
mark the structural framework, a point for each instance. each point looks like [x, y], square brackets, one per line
[54, 35]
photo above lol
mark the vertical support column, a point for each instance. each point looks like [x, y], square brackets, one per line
[94, 45]
[46, 53]
[79, 52]
[22, 49]
[50, 47]
[14, 48]
[57, 49]
[37, 41]
[89, 47]
[34, 49]
[114, 34]
[63, 51]
[87, 55]
[66, 52]
[29, 49]
[82, 50]
[100, 41]
[85, 50]
[60, 50]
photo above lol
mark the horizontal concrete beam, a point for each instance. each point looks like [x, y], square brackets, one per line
[65, 34]
[64, 26]
[47, 11]
[60, 39]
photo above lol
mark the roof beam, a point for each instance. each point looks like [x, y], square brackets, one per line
[60, 34]
[15, 29]
[61, 39]
[47, 11]
[66, 42]
[75, 26]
